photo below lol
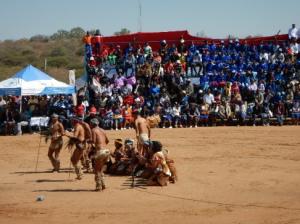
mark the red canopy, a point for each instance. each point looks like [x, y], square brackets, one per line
[154, 38]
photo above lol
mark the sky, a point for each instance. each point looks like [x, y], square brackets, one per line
[216, 18]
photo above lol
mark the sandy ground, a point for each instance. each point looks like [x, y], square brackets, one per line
[226, 175]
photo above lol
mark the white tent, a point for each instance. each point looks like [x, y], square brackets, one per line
[32, 81]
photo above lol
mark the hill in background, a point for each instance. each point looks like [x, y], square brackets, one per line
[63, 51]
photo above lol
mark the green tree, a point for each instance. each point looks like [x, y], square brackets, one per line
[58, 62]
[58, 51]
[39, 38]
[123, 31]
[60, 34]
[76, 32]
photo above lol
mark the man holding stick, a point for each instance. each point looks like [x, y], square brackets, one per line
[56, 131]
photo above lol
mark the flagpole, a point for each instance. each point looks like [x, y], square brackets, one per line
[140, 17]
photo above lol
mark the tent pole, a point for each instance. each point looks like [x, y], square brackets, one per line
[21, 104]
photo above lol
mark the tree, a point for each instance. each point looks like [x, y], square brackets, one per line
[76, 32]
[58, 51]
[39, 38]
[123, 31]
[60, 34]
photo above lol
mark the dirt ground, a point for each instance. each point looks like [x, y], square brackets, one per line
[226, 175]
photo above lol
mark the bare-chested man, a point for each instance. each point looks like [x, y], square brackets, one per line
[57, 131]
[142, 130]
[78, 136]
[85, 162]
[102, 154]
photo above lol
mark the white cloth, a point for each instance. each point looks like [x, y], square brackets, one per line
[2, 103]
[39, 121]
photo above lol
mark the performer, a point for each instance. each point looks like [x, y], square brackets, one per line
[85, 161]
[158, 163]
[57, 131]
[102, 154]
[118, 155]
[77, 138]
[142, 130]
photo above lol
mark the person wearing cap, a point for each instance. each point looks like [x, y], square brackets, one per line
[102, 154]
[142, 130]
[78, 136]
[57, 131]
[92, 114]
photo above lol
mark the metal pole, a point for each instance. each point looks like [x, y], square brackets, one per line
[45, 65]
[38, 154]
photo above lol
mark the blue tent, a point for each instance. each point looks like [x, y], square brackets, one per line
[32, 81]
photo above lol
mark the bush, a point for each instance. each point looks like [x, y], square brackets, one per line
[57, 61]
[59, 51]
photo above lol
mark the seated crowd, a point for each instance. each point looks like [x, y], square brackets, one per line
[178, 85]
[227, 83]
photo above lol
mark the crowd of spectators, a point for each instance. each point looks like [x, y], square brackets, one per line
[191, 85]
[16, 112]
[178, 85]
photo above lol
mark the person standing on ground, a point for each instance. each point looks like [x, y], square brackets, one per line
[142, 130]
[102, 154]
[77, 138]
[57, 131]
[85, 162]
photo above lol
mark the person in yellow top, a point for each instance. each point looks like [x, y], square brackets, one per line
[87, 40]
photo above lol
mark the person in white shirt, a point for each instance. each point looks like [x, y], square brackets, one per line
[293, 32]
[196, 63]
[2, 102]
[295, 48]
[176, 110]
[253, 86]
[208, 98]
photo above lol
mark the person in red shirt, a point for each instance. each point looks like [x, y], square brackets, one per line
[104, 54]
[169, 68]
[128, 99]
[96, 39]
[79, 110]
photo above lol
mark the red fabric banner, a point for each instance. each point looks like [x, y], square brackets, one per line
[173, 37]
